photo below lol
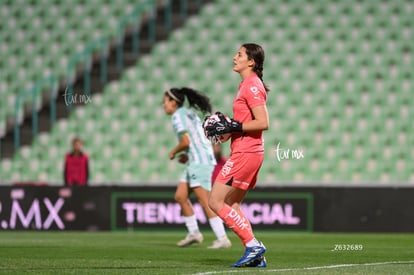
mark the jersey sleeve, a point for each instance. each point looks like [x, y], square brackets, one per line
[179, 124]
[255, 95]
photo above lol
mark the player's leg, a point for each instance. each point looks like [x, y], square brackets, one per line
[182, 194]
[225, 201]
[234, 199]
[238, 175]
[222, 198]
[200, 182]
[215, 222]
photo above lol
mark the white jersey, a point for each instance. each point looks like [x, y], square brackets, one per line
[186, 121]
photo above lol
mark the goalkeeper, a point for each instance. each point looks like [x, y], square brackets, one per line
[239, 174]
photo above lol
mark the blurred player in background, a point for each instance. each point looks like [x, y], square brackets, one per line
[76, 167]
[220, 161]
[239, 174]
[199, 167]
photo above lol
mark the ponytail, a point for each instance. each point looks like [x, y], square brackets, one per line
[195, 99]
[256, 53]
[259, 72]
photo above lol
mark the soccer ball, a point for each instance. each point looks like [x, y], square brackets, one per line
[211, 120]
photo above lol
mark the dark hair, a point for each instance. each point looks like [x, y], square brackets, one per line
[195, 99]
[256, 52]
[76, 139]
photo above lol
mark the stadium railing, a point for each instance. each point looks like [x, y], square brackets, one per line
[85, 57]
[51, 82]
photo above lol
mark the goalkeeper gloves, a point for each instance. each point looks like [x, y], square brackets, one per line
[223, 126]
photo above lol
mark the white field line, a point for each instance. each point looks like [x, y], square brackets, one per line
[265, 270]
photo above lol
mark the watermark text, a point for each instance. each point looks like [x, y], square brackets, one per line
[283, 154]
[72, 98]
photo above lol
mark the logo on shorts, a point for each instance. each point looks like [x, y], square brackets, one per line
[227, 168]
[239, 182]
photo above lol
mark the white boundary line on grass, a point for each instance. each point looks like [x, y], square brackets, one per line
[248, 270]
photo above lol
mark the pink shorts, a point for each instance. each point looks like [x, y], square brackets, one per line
[241, 170]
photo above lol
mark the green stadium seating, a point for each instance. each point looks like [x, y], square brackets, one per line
[341, 84]
[39, 37]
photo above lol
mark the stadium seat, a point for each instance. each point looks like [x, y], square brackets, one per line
[341, 84]
[38, 41]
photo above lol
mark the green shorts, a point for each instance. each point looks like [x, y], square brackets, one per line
[198, 175]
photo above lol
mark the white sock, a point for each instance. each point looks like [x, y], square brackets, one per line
[191, 224]
[218, 227]
[252, 243]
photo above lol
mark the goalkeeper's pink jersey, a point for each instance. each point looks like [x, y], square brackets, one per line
[251, 94]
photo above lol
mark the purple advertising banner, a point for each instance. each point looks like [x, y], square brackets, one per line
[140, 210]
[321, 209]
[53, 208]
[115, 208]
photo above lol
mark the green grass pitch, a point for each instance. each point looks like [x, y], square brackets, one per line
[145, 252]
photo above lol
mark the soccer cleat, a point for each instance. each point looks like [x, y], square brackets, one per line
[260, 262]
[250, 255]
[190, 239]
[221, 243]
[263, 262]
